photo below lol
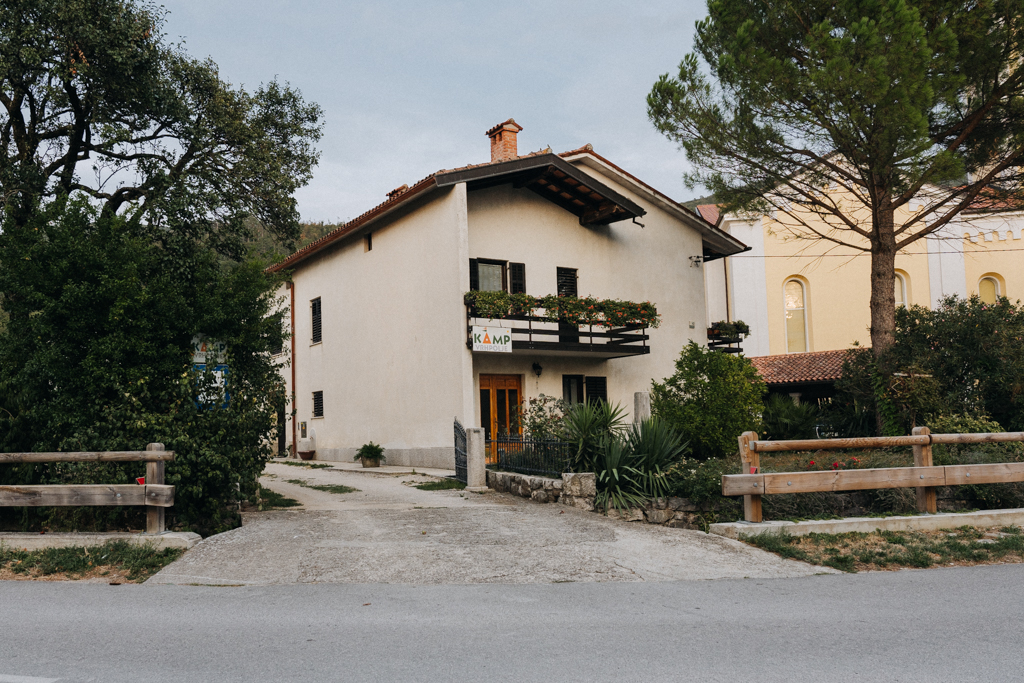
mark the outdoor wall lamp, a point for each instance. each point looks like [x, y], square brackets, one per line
[537, 369]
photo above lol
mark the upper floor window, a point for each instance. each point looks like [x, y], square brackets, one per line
[489, 275]
[900, 290]
[314, 307]
[988, 289]
[796, 316]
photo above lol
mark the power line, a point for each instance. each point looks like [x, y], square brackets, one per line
[867, 253]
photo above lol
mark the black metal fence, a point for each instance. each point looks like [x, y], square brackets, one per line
[460, 453]
[531, 456]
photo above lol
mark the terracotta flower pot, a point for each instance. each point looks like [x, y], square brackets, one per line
[369, 463]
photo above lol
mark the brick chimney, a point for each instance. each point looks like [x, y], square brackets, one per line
[503, 141]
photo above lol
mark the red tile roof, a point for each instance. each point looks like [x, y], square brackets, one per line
[801, 368]
[709, 212]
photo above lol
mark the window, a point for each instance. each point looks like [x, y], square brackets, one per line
[368, 242]
[566, 280]
[572, 389]
[314, 307]
[489, 275]
[796, 317]
[900, 290]
[988, 289]
[597, 389]
[318, 404]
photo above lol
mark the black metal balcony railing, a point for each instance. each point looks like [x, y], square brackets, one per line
[533, 334]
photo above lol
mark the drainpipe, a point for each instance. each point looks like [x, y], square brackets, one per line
[295, 443]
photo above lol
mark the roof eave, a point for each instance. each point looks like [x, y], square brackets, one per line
[720, 242]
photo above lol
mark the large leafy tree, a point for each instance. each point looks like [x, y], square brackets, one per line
[133, 181]
[858, 111]
[96, 102]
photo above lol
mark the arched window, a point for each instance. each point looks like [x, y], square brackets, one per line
[988, 289]
[900, 289]
[796, 316]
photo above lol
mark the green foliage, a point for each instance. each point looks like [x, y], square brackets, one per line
[975, 352]
[710, 400]
[371, 451]
[90, 87]
[701, 482]
[326, 488]
[543, 417]
[589, 426]
[570, 309]
[98, 357]
[785, 420]
[731, 329]
[878, 98]
[442, 485]
[631, 466]
[268, 500]
[140, 561]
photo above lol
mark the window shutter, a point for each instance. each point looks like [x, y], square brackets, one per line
[317, 328]
[567, 282]
[597, 389]
[517, 278]
[318, 404]
[474, 276]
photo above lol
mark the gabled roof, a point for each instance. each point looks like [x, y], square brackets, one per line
[800, 368]
[709, 212]
[553, 177]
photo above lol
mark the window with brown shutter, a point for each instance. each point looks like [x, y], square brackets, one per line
[517, 278]
[597, 389]
[314, 307]
[318, 404]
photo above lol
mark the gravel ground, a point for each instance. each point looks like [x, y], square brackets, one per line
[390, 532]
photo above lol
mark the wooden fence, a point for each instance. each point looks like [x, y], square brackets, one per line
[153, 494]
[752, 483]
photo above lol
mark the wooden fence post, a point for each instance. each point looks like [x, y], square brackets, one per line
[750, 463]
[926, 499]
[154, 475]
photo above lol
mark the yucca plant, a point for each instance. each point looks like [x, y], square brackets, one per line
[586, 425]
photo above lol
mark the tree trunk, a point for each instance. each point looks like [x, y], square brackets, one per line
[883, 298]
[883, 275]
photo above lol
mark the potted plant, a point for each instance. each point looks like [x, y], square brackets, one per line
[370, 454]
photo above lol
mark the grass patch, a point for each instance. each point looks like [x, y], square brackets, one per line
[272, 499]
[854, 551]
[115, 559]
[307, 465]
[328, 488]
[442, 485]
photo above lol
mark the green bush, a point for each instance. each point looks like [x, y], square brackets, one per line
[370, 451]
[710, 400]
[588, 426]
[631, 466]
[543, 417]
[785, 420]
[98, 356]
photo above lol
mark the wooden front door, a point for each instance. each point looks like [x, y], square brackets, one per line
[500, 399]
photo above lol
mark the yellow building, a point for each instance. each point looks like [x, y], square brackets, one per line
[802, 295]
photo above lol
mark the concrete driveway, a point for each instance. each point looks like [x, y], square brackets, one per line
[390, 532]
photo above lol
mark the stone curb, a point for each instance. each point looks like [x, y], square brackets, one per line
[945, 520]
[28, 541]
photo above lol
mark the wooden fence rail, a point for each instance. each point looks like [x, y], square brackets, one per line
[154, 494]
[752, 483]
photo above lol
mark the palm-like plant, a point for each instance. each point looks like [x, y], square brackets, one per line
[586, 425]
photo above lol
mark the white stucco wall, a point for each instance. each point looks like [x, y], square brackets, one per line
[748, 293]
[621, 261]
[393, 359]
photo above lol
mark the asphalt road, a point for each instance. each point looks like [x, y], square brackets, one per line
[952, 624]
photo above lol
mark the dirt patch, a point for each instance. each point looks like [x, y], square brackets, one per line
[891, 550]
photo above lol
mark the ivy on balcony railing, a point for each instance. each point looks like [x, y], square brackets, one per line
[579, 310]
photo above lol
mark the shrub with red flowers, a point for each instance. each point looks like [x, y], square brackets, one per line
[571, 309]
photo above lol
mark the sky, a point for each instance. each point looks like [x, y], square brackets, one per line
[409, 88]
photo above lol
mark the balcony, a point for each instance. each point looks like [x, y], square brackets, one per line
[569, 326]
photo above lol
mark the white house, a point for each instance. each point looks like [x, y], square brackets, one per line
[381, 343]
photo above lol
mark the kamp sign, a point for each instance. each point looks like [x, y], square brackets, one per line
[492, 339]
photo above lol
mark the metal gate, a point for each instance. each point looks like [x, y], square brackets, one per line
[460, 452]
